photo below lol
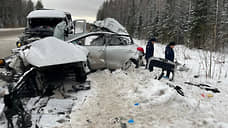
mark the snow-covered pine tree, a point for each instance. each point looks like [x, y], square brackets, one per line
[39, 5]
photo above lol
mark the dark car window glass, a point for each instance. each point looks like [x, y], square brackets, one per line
[45, 22]
[99, 41]
[94, 40]
[119, 40]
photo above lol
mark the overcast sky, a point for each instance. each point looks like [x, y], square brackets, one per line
[86, 9]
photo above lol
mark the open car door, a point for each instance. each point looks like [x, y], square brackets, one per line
[95, 43]
[79, 26]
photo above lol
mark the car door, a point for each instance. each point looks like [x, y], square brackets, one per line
[119, 50]
[96, 46]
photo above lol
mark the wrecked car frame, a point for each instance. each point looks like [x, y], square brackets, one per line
[109, 50]
[37, 69]
[51, 59]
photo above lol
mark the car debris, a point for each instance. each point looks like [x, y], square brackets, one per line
[50, 59]
[37, 111]
[204, 86]
[176, 87]
[37, 69]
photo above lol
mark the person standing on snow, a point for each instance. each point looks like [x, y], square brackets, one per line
[169, 54]
[150, 51]
[60, 30]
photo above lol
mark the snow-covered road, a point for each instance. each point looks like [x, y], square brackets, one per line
[8, 39]
[159, 106]
[135, 95]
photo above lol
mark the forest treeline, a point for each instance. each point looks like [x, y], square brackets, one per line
[195, 23]
[13, 12]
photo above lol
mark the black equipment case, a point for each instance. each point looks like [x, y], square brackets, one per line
[161, 63]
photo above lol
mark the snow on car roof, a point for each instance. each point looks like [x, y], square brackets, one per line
[46, 14]
[112, 25]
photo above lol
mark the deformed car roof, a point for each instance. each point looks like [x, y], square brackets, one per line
[96, 33]
[46, 14]
[112, 25]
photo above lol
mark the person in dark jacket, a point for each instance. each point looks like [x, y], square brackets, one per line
[169, 54]
[150, 51]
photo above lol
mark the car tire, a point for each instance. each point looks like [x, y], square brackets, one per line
[127, 65]
[80, 73]
[135, 62]
[90, 69]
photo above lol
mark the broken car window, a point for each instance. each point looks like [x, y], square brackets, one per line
[45, 22]
[99, 41]
[94, 40]
[119, 40]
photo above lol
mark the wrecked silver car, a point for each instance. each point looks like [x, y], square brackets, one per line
[48, 59]
[109, 50]
[38, 69]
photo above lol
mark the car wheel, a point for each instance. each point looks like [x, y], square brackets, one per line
[90, 70]
[127, 65]
[80, 73]
[135, 62]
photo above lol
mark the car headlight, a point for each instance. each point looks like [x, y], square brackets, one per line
[2, 62]
[19, 44]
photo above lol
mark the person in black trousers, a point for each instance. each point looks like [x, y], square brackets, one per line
[169, 54]
[150, 51]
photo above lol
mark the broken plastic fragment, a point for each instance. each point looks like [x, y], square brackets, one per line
[131, 121]
[210, 95]
[202, 95]
[137, 104]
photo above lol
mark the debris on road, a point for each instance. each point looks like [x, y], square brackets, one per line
[177, 88]
[204, 86]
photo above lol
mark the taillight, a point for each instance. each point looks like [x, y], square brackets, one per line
[140, 49]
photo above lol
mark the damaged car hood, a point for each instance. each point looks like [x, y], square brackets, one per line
[51, 51]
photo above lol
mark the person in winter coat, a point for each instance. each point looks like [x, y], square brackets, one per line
[60, 30]
[150, 51]
[169, 54]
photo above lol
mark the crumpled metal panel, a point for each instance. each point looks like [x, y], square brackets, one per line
[112, 25]
[51, 51]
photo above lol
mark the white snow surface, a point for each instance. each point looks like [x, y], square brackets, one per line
[159, 106]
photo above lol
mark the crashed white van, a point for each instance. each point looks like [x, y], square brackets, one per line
[43, 23]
